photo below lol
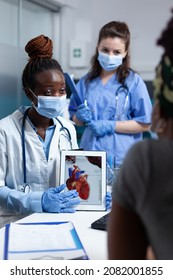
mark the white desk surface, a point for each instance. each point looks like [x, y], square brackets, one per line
[94, 241]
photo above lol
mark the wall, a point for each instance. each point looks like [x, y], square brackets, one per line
[145, 18]
[78, 20]
[18, 24]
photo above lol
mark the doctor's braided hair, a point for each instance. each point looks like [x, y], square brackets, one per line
[40, 51]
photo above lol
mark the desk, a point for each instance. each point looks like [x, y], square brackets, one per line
[94, 241]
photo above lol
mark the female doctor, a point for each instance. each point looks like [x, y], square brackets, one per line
[116, 106]
[31, 139]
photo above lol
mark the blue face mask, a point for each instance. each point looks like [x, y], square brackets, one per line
[50, 106]
[109, 62]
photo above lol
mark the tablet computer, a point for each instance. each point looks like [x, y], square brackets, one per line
[85, 171]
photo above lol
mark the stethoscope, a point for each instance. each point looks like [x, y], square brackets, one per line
[26, 187]
[124, 88]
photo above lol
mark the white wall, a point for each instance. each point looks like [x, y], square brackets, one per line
[145, 18]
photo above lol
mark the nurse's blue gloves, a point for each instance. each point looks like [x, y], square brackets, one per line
[84, 113]
[101, 128]
[108, 200]
[56, 201]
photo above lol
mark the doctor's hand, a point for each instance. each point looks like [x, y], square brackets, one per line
[83, 113]
[56, 201]
[101, 128]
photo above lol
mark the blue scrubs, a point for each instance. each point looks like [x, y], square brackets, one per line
[110, 102]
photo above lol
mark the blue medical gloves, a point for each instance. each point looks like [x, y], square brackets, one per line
[83, 113]
[108, 200]
[101, 128]
[56, 201]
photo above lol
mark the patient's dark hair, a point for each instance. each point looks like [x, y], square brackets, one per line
[166, 39]
[40, 51]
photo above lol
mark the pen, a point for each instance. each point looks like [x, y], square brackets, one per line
[73, 108]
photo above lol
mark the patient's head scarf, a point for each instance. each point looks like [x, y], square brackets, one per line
[163, 83]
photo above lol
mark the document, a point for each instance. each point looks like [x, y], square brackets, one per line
[35, 241]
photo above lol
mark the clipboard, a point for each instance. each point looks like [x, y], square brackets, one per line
[72, 86]
[43, 241]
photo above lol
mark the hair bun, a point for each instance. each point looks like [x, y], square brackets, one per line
[39, 47]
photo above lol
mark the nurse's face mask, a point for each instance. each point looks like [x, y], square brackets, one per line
[50, 106]
[109, 62]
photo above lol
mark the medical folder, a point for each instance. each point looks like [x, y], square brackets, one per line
[43, 241]
[70, 82]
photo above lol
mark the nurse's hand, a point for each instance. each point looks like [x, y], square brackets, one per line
[101, 128]
[84, 113]
[56, 201]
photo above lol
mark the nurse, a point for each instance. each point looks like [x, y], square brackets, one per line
[31, 139]
[116, 107]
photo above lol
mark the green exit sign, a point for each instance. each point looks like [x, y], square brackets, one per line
[77, 53]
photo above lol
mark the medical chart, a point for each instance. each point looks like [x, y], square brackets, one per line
[43, 241]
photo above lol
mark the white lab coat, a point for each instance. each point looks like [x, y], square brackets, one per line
[40, 172]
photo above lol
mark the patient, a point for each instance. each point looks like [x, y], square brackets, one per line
[142, 208]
